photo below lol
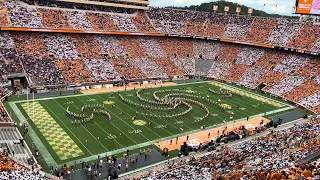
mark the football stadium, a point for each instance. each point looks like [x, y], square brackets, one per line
[103, 89]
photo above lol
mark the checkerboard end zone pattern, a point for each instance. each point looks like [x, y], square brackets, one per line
[59, 140]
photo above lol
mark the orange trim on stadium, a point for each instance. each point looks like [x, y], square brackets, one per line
[77, 31]
[128, 87]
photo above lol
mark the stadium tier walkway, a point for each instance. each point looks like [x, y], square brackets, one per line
[128, 87]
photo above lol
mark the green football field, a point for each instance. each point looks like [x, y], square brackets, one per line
[62, 138]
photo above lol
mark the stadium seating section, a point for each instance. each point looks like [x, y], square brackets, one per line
[50, 59]
[272, 156]
[80, 58]
[284, 32]
[12, 155]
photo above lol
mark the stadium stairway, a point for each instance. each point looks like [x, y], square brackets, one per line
[9, 137]
[203, 66]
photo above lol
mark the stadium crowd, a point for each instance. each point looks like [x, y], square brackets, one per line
[9, 169]
[284, 32]
[4, 117]
[272, 156]
[77, 58]
[55, 59]
[3, 114]
[287, 84]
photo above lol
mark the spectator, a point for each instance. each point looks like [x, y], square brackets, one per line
[124, 22]
[264, 155]
[102, 69]
[287, 84]
[285, 29]
[23, 16]
[101, 22]
[54, 19]
[238, 27]
[79, 20]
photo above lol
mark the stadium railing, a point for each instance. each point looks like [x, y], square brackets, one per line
[10, 124]
[309, 158]
[23, 29]
[163, 166]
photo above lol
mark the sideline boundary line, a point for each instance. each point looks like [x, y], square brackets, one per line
[34, 137]
[77, 95]
[49, 158]
[209, 82]
[249, 92]
[232, 144]
[137, 146]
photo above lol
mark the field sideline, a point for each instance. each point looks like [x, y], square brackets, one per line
[61, 142]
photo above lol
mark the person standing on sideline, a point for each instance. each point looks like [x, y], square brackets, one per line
[119, 166]
[187, 137]
[137, 155]
[170, 141]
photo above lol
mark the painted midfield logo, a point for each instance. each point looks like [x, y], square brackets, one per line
[139, 122]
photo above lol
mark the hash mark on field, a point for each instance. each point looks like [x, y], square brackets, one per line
[67, 127]
[129, 124]
[149, 119]
[58, 139]
[112, 124]
[251, 95]
[83, 125]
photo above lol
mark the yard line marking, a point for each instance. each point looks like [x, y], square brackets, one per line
[249, 95]
[59, 140]
[101, 127]
[121, 119]
[171, 137]
[252, 95]
[169, 123]
[83, 126]
[240, 112]
[135, 110]
[153, 121]
[68, 129]
[249, 110]
[77, 95]
[116, 126]
[247, 103]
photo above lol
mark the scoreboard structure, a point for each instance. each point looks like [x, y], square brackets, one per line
[308, 7]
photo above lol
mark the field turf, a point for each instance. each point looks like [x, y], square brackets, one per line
[61, 142]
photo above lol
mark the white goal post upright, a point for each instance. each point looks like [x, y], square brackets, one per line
[27, 95]
[33, 103]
